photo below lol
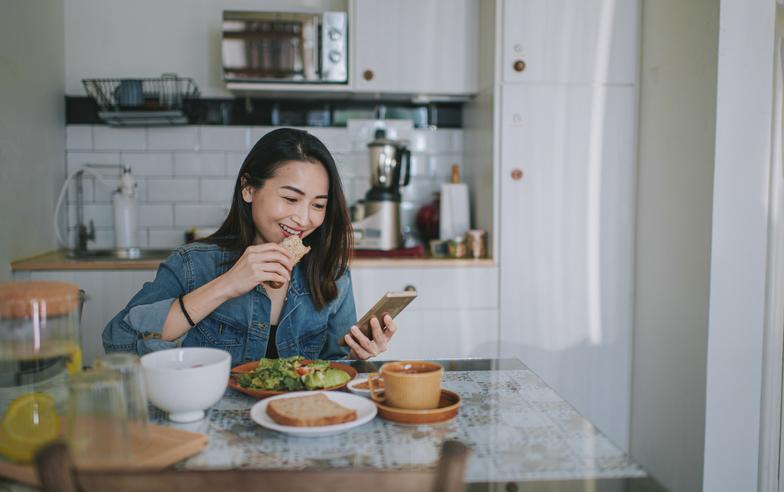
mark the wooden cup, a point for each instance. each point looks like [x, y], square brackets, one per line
[412, 385]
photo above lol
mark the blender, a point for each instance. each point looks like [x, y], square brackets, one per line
[377, 223]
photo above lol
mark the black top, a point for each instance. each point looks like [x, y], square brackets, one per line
[272, 348]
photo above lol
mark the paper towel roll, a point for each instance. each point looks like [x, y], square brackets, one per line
[454, 218]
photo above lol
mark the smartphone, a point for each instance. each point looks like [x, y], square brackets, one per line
[391, 302]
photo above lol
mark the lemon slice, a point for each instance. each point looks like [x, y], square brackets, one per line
[29, 422]
[74, 361]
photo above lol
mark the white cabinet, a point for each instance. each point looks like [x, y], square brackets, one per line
[108, 291]
[454, 315]
[415, 46]
[566, 129]
[569, 41]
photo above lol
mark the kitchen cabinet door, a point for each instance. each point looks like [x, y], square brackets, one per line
[415, 46]
[107, 291]
[570, 41]
[454, 315]
[567, 238]
[442, 334]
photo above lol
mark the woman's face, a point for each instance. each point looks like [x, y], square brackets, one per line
[293, 202]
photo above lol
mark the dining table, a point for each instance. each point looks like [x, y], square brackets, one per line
[522, 435]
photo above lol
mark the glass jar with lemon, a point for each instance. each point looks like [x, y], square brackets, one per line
[39, 347]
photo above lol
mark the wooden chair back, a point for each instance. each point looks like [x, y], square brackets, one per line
[57, 473]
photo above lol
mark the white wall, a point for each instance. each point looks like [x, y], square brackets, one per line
[675, 175]
[740, 238]
[145, 38]
[32, 126]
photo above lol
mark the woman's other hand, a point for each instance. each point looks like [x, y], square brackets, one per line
[268, 262]
[363, 348]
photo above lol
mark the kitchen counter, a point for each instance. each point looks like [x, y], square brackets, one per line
[57, 260]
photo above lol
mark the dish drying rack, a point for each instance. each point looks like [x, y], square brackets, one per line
[143, 102]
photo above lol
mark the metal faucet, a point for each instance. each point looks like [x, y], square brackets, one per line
[83, 233]
[86, 233]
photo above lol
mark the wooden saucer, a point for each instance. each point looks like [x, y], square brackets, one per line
[447, 410]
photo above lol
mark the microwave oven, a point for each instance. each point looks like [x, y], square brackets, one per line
[285, 47]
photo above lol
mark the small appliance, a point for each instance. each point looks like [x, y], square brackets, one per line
[284, 47]
[377, 223]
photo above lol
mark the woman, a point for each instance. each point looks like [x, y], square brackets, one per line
[219, 292]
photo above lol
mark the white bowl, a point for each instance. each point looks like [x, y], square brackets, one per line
[186, 381]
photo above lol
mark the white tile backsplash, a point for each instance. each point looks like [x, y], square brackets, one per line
[224, 138]
[216, 189]
[234, 162]
[79, 137]
[186, 175]
[148, 163]
[200, 164]
[336, 139]
[156, 215]
[173, 190]
[256, 132]
[187, 216]
[165, 238]
[420, 190]
[179, 138]
[75, 160]
[108, 138]
[102, 190]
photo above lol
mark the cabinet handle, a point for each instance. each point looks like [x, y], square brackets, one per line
[517, 174]
[519, 65]
[409, 288]
[367, 75]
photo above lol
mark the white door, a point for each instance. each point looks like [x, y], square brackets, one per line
[567, 232]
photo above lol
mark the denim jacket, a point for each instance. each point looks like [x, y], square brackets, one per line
[240, 325]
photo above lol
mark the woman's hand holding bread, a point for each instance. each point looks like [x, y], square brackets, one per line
[268, 262]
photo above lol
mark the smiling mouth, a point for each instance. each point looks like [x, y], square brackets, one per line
[289, 231]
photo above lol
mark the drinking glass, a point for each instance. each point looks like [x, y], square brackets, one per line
[130, 371]
[96, 422]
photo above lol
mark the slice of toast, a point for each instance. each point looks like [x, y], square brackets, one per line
[296, 249]
[309, 411]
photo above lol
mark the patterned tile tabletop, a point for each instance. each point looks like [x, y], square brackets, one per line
[517, 427]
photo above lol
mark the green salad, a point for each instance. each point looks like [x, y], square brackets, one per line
[292, 374]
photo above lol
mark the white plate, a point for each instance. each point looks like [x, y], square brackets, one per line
[366, 410]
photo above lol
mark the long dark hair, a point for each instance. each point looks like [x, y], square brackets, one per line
[331, 243]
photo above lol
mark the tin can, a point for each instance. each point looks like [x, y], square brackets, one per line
[475, 243]
[456, 248]
[437, 248]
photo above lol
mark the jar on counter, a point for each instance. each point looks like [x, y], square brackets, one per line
[456, 248]
[39, 347]
[475, 243]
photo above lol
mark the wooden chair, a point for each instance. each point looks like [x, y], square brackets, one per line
[57, 474]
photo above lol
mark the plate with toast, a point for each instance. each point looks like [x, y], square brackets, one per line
[313, 413]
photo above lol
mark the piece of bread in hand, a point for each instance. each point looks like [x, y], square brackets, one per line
[309, 411]
[296, 249]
